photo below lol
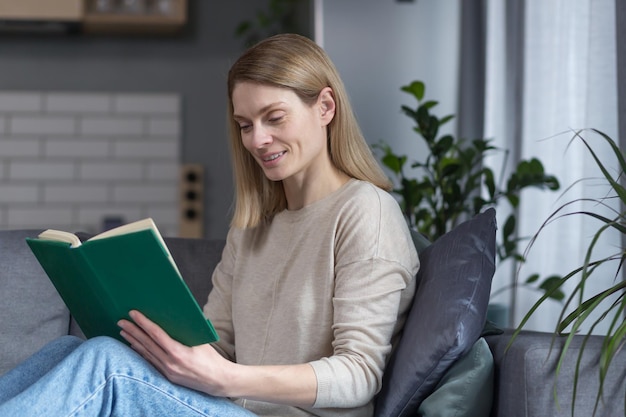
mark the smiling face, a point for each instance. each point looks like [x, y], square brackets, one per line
[286, 137]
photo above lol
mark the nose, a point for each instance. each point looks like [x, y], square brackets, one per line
[259, 137]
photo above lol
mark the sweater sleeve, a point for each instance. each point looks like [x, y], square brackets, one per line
[375, 268]
[218, 308]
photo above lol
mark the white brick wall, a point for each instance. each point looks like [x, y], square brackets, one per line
[70, 159]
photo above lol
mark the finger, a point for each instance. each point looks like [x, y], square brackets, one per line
[140, 347]
[154, 331]
[141, 341]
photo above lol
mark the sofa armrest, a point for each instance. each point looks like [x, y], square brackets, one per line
[525, 377]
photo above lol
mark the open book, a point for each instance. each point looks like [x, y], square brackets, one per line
[126, 268]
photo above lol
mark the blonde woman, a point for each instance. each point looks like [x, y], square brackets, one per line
[314, 284]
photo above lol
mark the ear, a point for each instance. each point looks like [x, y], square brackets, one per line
[326, 103]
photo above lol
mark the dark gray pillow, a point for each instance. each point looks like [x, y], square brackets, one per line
[447, 316]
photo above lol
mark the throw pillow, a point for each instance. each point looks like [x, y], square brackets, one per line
[466, 389]
[447, 316]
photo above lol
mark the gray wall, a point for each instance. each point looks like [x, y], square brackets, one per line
[379, 46]
[194, 64]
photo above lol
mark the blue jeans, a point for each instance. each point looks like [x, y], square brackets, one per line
[100, 377]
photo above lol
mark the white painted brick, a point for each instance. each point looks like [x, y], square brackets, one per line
[39, 170]
[111, 170]
[18, 194]
[78, 157]
[42, 125]
[146, 149]
[146, 103]
[163, 127]
[74, 148]
[11, 148]
[75, 193]
[142, 193]
[95, 215]
[158, 171]
[77, 103]
[14, 101]
[38, 217]
[112, 126]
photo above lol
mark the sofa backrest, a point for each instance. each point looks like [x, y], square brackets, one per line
[32, 312]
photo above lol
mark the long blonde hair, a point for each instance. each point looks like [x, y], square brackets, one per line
[299, 64]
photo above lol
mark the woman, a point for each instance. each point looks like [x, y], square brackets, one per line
[313, 287]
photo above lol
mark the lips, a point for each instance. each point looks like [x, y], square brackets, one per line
[273, 156]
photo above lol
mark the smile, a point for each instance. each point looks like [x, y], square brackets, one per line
[273, 156]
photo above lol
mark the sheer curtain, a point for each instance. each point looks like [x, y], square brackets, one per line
[551, 69]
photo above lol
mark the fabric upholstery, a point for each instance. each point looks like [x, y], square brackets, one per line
[447, 317]
[466, 389]
[196, 259]
[526, 379]
[31, 310]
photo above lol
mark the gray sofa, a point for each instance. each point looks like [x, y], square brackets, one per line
[523, 377]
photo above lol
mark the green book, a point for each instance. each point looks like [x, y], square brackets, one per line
[123, 269]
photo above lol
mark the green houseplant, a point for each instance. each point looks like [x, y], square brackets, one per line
[609, 302]
[452, 184]
[278, 16]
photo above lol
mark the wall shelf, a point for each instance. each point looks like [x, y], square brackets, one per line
[146, 22]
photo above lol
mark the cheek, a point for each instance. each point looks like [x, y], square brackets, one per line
[245, 141]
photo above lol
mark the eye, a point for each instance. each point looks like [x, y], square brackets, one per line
[276, 117]
[244, 127]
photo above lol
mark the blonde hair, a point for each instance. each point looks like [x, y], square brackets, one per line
[299, 64]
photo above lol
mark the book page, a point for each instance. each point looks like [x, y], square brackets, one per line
[144, 224]
[60, 236]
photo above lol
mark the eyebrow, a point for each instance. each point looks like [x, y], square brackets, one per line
[263, 109]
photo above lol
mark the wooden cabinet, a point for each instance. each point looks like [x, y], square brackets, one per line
[37, 10]
[134, 16]
[147, 17]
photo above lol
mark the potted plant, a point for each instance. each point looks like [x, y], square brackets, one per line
[609, 302]
[452, 184]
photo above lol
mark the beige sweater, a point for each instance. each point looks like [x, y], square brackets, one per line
[329, 285]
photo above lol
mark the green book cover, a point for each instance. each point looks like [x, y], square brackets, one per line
[104, 278]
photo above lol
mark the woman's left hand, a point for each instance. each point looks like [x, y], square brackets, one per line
[200, 367]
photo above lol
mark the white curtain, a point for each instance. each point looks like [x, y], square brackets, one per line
[551, 69]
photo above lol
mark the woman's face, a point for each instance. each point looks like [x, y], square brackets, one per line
[285, 136]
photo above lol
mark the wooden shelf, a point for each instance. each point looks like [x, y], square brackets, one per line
[57, 10]
[94, 22]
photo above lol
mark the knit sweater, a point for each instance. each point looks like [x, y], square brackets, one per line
[329, 285]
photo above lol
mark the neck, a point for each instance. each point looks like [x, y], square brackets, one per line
[302, 193]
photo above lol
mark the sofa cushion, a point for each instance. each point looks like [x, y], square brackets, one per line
[32, 312]
[447, 316]
[196, 260]
[466, 389]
